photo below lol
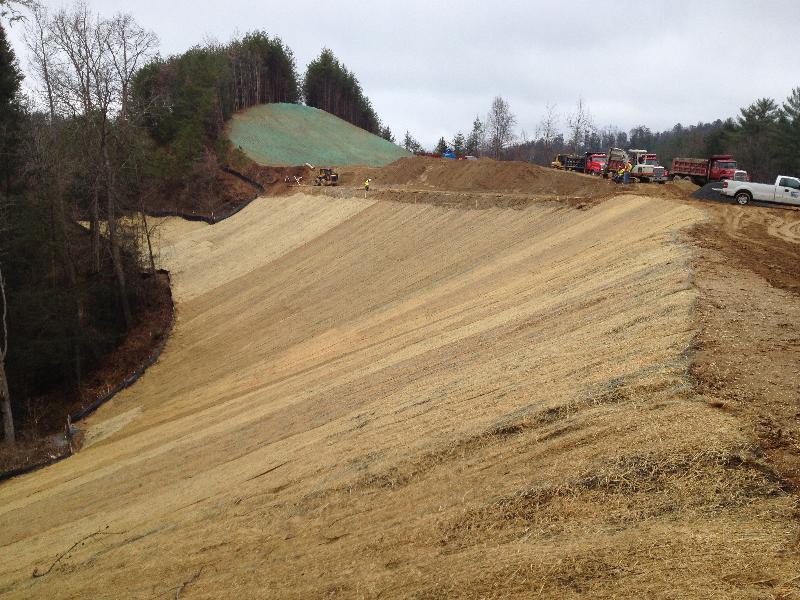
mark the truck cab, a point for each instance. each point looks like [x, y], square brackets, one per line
[722, 167]
[595, 163]
[786, 190]
[646, 167]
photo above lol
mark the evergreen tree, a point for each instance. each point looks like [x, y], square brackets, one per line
[756, 145]
[10, 112]
[329, 86]
[441, 146]
[789, 135]
[386, 134]
[459, 143]
[410, 144]
[475, 139]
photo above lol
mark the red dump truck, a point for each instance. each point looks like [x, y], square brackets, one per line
[595, 163]
[719, 167]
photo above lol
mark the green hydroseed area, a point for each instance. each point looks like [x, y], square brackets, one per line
[293, 134]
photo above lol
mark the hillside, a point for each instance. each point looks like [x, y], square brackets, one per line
[402, 400]
[293, 134]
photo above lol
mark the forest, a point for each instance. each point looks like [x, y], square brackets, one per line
[112, 132]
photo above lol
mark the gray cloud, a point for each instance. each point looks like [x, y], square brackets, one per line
[430, 67]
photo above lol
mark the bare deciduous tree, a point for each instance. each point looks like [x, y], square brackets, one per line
[11, 8]
[548, 127]
[86, 64]
[579, 123]
[130, 46]
[500, 126]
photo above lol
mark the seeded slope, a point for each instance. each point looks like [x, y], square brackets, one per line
[293, 134]
[383, 399]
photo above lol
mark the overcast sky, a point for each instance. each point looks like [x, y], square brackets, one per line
[429, 67]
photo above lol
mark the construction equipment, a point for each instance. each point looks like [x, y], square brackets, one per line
[646, 168]
[565, 162]
[327, 176]
[644, 165]
[595, 162]
[703, 170]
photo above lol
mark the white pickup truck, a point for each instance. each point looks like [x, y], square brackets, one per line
[785, 191]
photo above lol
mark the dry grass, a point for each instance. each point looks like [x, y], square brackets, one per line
[391, 400]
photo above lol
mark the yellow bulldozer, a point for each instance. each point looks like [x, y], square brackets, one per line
[327, 176]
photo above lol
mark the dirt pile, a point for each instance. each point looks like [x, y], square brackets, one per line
[484, 175]
[710, 191]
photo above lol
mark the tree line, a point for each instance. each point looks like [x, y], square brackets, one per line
[184, 101]
[69, 293]
[764, 137]
[330, 86]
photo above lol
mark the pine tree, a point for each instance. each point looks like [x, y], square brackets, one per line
[475, 139]
[330, 86]
[441, 146]
[756, 145]
[789, 135]
[459, 143]
[386, 134]
[10, 79]
[10, 111]
[410, 144]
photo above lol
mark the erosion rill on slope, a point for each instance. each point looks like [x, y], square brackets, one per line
[381, 398]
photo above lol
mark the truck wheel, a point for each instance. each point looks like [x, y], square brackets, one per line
[743, 198]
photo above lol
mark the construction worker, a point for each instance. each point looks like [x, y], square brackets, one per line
[619, 175]
[366, 186]
[627, 176]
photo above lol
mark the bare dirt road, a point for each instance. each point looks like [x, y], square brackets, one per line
[372, 398]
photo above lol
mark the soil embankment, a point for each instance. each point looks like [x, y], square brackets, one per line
[293, 134]
[747, 358]
[484, 175]
[388, 399]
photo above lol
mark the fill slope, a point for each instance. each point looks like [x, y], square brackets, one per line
[293, 134]
[411, 401]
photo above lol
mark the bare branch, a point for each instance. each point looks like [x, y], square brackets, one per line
[80, 542]
[548, 127]
[580, 123]
[499, 124]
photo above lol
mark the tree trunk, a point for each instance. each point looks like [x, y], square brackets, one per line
[149, 242]
[116, 255]
[95, 228]
[5, 406]
[5, 395]
[72, 276]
